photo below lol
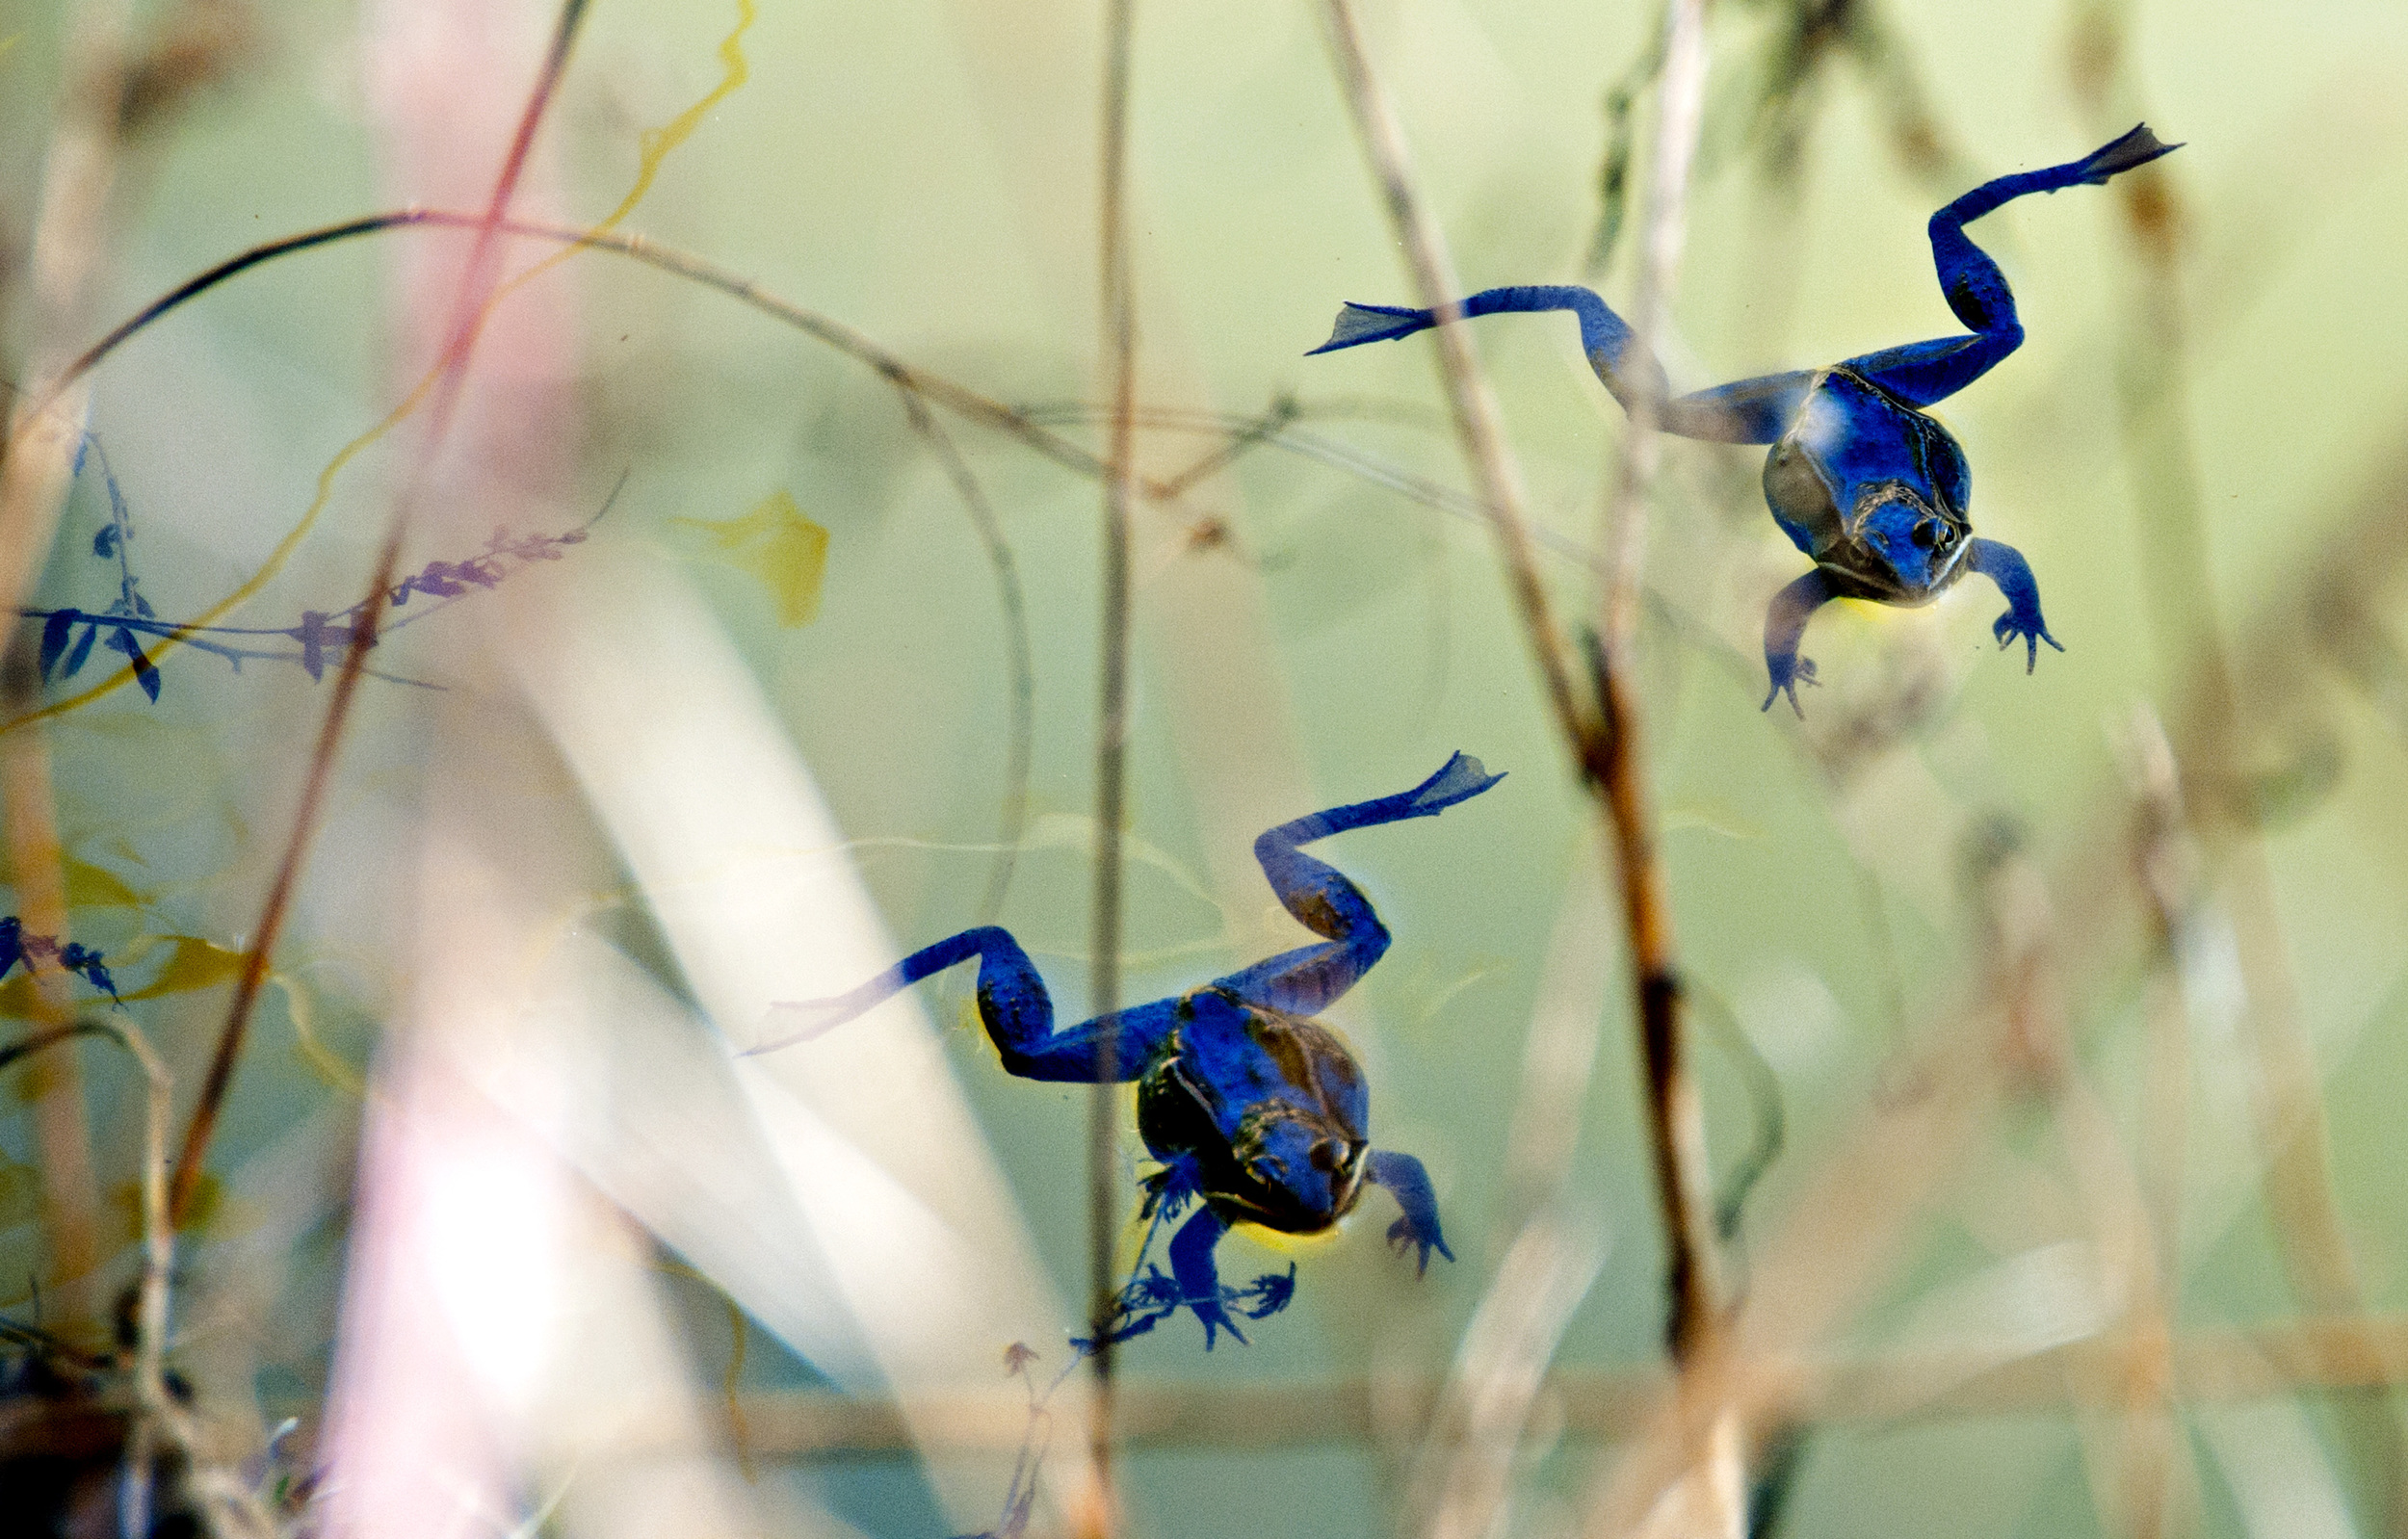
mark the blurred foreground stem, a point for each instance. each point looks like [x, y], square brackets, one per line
[2155, 416]
[1602, 731]
[1099, 1515]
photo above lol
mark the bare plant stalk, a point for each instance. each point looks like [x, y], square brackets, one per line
[1101, 1515]
[1604, 738]
[469, 309]
[1469, 399]
[2165, 869]
[1680, 109]
[2214, 1366]
[1019, 664]
[1462, 1481]
[162, 1418]
[1675, 1120]
[2155, 417]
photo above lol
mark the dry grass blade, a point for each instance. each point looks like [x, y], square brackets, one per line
[1604, 738]
[1469, 399]
[1100, 1516]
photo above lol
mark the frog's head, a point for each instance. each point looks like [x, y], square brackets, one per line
[1299, 1170]
[1901, 549]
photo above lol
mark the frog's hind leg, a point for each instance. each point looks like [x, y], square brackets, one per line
[1922, 373]
[1751, 411]
[1305, 980]
[1013, 1002]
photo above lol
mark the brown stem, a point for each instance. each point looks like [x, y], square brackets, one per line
[1100, 1516]
[1019, 662]
[1469, 399]
[1604, 736]
[2155, 416]
[469, 309]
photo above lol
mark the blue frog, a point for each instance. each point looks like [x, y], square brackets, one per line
[1257, 1112]
[1860, 476]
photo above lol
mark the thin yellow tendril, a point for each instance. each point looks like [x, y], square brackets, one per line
[653, 144]
[652, 147]
[315, 1052]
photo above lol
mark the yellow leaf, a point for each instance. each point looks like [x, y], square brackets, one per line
[778, 545]
[92, 886]
[20, 1194]
[19, 997]
[193, 964]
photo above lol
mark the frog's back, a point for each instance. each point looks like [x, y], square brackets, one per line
[1271, 1107]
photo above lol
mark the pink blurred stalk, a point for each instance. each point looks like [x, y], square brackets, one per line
[418, 1424]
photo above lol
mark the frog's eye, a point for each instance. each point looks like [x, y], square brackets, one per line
[1268, 1169]
[1328, 1155]
[1930, 535]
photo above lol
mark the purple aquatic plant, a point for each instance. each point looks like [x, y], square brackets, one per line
[18, 945]
[68, 633]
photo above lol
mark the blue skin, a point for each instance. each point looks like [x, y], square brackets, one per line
[1860, 478]
[1254, 1109]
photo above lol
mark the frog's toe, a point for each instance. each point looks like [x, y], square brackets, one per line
[1404, 1234]
[1215, 1318]
[1459, 779]
[1787, 675]
[2008, 629]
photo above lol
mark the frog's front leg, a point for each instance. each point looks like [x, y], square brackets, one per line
[1405, 1180]
[1199, 1280]
[1013, 1004]
[1305, 980]
[1784, 626]
[2005, 566]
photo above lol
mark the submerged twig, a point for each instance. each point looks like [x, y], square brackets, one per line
[469, 309]
[1019, 664]
[1602, 731]
[1116, 300]
[1675, 1120]
[2155, 417]
[159, 1427]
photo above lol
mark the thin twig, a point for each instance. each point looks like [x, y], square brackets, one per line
[469, 310]
[1019, 664]
[1675, 1120]
[936, 388]
[2155, 416]
[1469, 399]
[2165, 870]
[1603, 738]
[1600, 738]
[1117, 303]
[1679, 103]
[161, 1420]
